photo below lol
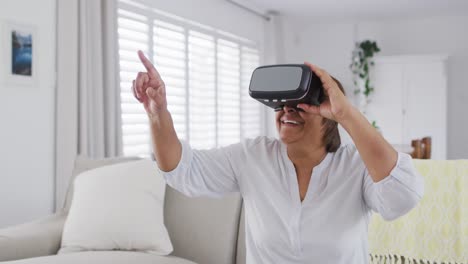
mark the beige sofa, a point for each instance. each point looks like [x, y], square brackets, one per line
[202, 230]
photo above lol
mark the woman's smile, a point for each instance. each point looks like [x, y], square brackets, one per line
[289, 117]
[290, 122]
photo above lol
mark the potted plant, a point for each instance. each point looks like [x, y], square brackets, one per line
[361, 65]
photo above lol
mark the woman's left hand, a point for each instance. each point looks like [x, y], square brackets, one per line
[337, 106]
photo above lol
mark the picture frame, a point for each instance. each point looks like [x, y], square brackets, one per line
[20, 54]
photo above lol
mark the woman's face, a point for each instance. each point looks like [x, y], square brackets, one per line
[294, 126]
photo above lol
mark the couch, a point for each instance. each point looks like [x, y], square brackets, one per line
[211, 231]
[202, 230]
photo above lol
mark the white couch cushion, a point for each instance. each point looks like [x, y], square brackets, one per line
[103, 257]
[83, 164]
[118, 207]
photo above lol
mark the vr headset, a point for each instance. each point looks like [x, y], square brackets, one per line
[285, 84]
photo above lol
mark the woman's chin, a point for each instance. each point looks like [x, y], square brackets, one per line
[287, 137]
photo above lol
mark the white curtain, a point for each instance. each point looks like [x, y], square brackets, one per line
[99, 109]
[88, 101]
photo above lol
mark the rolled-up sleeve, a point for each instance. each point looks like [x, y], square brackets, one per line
[205, 172]
[398, 193]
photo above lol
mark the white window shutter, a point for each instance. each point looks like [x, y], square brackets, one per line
[202, 92]
[206, 72]
[133, 35]
[251, 111]
[228, 99]
[169, 59]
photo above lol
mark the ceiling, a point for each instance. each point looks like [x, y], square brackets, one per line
[360, 9]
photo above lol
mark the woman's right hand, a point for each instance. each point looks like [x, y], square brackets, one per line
[149, 89]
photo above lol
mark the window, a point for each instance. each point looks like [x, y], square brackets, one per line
[206, 71]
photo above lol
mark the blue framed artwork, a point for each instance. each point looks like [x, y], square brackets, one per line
[20, 53]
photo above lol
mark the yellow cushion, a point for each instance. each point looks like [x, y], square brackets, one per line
[437, 229]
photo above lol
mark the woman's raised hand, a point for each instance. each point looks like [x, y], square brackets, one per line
[149, 89]
[337, 106]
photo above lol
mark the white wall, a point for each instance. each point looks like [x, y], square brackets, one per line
[27, 121]
[330, 44]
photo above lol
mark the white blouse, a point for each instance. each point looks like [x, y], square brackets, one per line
[329, 226]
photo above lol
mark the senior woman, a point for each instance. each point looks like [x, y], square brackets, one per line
[307, 198]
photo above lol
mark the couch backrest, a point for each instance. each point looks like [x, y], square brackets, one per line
[241, 250]
[203, 230]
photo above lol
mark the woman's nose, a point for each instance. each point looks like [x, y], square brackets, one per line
[289, 109]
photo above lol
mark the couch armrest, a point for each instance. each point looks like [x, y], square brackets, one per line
[34, 239]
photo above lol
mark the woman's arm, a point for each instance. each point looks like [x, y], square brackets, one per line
[378, 155]
[192, 172]
[391, 185]
[166, 145]
[210, 172]
[150, 90]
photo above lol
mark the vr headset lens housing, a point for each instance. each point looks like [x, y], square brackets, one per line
[285, 84]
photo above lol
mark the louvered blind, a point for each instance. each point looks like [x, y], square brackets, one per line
[251, 116]
[133, 34]
[228, 92]
[207, 73]
[169, 58]
[202, 90]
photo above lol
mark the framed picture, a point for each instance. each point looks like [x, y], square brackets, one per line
[20, 54]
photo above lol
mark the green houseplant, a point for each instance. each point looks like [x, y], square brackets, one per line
[361, 64]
